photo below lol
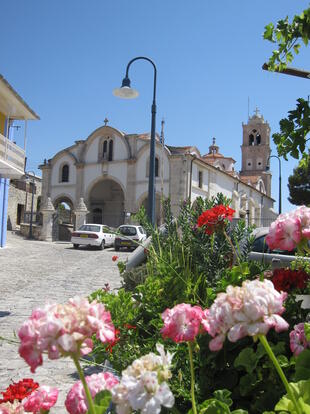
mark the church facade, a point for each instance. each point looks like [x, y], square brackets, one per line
[104, 178]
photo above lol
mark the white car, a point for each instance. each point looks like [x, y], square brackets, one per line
[129, 236]
[97, 235]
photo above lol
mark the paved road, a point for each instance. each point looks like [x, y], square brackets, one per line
[32, 272]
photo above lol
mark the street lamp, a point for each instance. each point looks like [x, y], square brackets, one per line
[30, 235]
[280, 191]
[126, 92]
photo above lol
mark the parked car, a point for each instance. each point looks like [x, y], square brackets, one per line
[261, 252]
[129, 236]
[97, 235]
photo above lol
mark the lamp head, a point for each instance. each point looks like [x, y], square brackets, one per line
[267, 167]
[125, 91]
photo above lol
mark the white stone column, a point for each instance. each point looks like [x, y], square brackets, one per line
[47, 222]
[80, 214]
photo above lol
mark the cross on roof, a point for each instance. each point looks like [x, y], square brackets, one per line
[105, 121]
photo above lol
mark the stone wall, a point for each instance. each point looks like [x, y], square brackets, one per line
[19, 201]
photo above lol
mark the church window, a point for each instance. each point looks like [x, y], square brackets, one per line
[110, 156]
[105, 149]
[156, 167]
[65, 173]
[251, 139]
[258, 139]
[200, 175]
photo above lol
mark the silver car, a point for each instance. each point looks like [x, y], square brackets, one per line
[261, 252]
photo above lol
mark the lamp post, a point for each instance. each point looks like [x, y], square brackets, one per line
[126, 92]
[30, 235]
[280, 191]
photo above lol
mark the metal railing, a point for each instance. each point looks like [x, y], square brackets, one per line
[12, 154]
[257, 222]
[36, 217]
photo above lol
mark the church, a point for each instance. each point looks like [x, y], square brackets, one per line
[104, 178]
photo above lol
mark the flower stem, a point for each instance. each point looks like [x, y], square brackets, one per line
[190, 352]
[91, 407]
[235, 253]
[277, 366]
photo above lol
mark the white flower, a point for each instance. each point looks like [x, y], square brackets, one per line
[143, 385]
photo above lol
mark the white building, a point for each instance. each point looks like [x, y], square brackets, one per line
[105, 177]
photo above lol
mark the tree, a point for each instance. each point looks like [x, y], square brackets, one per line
[289, 37]
[299, 183]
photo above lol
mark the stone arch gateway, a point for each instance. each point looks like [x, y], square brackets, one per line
[106, 203]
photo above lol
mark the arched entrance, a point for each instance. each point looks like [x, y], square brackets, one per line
[106, 203]
[63, 221]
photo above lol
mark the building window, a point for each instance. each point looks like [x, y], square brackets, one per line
[156, 167]
[110, 156]
[251, 139]
[65, 174]
[258, 139]
[200, 179]
[105, 150]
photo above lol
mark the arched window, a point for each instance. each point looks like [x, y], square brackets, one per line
[65, 174]
[105, 150]
[258, 139]
[156, 167]
[110, 156]
[251, 139]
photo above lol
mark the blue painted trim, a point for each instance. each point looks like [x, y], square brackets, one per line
[4, 195]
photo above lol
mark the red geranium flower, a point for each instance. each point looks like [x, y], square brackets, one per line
[215, 218]
[286, 280]
[114, 258]
[19, 390]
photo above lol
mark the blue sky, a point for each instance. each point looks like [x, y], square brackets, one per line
[65, 58]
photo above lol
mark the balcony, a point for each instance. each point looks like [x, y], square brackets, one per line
[12, 159]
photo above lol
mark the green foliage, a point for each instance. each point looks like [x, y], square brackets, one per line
[288, 37]
[302, 366]
[299, 184]
[301, 390]
[102, 402]
[220, 404]
[294, 132]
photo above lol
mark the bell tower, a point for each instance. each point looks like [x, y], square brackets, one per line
[255, 149]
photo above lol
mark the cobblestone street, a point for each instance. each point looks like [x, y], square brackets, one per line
[32, 272]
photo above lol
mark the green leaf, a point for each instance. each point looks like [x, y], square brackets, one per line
[223, 396]
[307, 330]
[301, 390]
[213, 406]
[302, 366]
[102, 402]
[239, 411]
[246, 359]
[268, 33]
[296, 48]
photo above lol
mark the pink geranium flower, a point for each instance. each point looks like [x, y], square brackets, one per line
[182, 323]
[76, 402]
[290, 230]
[298, 340]
[43, 398]
[62, 330]
[285, 233]
[249, 310]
